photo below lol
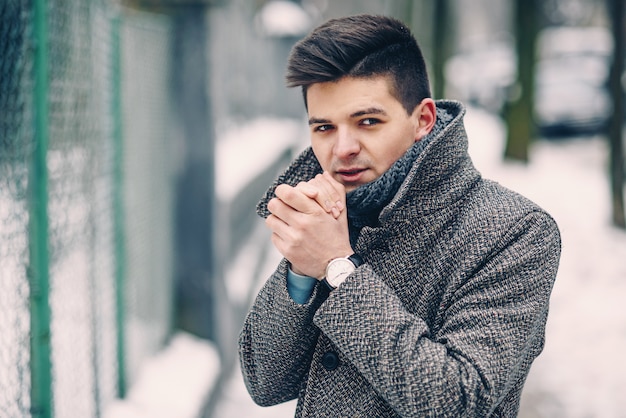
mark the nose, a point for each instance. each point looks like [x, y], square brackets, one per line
[347, 144]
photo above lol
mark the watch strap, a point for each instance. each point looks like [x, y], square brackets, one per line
[328, 285]
[356, 259]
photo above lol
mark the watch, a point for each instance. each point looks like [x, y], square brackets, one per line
[339, 269]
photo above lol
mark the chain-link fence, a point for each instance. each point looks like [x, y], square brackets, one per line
[86, 200]
[16, 155]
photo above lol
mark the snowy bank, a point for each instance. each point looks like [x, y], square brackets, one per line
[174, 383]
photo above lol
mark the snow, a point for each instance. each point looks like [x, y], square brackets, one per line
[239, 282]
[14, 308]
[284, 18]
[243, 151]
[172, 384]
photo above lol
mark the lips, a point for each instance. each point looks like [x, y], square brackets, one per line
[351, 174]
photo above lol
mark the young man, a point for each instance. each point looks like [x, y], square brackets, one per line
[410, 285]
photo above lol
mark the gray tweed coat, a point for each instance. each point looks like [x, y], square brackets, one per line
[444, 318]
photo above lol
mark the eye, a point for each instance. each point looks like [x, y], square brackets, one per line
[370, 121]
[322, 128]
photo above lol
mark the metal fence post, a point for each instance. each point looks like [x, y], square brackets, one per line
[118, 204]
[41, 382]
[195, 255]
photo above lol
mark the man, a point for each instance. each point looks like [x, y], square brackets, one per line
[410, 285]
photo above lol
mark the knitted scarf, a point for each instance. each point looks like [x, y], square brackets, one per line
[365, 202]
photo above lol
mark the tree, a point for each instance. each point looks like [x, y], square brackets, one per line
[441, 46]
[617, 14]
[519, 113]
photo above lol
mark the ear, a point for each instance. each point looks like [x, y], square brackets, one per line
[425, 115]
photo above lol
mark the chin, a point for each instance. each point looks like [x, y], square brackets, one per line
[352, 187]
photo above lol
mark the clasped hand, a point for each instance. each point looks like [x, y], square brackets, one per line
[309, 224]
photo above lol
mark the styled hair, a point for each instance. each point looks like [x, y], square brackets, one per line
[361, 46]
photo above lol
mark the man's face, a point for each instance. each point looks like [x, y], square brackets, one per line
[358, 129]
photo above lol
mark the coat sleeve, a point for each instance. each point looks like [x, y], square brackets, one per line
[492, 329]
[277, 341]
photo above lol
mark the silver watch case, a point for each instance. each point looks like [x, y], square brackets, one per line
[338, 270]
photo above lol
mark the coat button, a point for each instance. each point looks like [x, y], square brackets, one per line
[330, 360]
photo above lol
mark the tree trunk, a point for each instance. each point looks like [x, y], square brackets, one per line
[441, 46]
[616, 11]
[519, 113]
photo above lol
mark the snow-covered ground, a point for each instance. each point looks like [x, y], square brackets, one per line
[175, 383]
[582, 372]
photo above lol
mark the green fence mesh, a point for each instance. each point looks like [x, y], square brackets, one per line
[80, 241]
[102, 190]
[16, 150]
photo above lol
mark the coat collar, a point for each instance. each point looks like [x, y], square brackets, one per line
[440, 175]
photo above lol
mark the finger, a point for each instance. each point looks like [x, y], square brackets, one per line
[279, 229]
[339, 195]
[324, 195]
[274, 223]
[280, 213]
[307, 189]
[278, 243]
[331, 194]
[318, 193]
[283, 237]
[325, 192]
[296, 200]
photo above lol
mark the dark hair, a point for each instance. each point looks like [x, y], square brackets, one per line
[361, 46]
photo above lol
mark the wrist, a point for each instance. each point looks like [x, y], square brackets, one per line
[296, 270]
[303, 273]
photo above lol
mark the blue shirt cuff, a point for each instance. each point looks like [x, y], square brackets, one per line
[300, 288]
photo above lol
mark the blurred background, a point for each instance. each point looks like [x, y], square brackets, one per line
[136, 137]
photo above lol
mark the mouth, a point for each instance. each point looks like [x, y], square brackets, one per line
[351, 175]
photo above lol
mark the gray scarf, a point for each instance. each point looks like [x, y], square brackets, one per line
[365, 202]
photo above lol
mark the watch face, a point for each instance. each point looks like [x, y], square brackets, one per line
[338, 270]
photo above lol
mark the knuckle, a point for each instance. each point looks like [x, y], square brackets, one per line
[283, 190]
[311, 184]
[296, 239]
[287, 193]
[271, 205]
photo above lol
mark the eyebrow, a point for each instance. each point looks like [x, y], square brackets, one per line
[314, 121]
[359, 113]
[369, 111]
